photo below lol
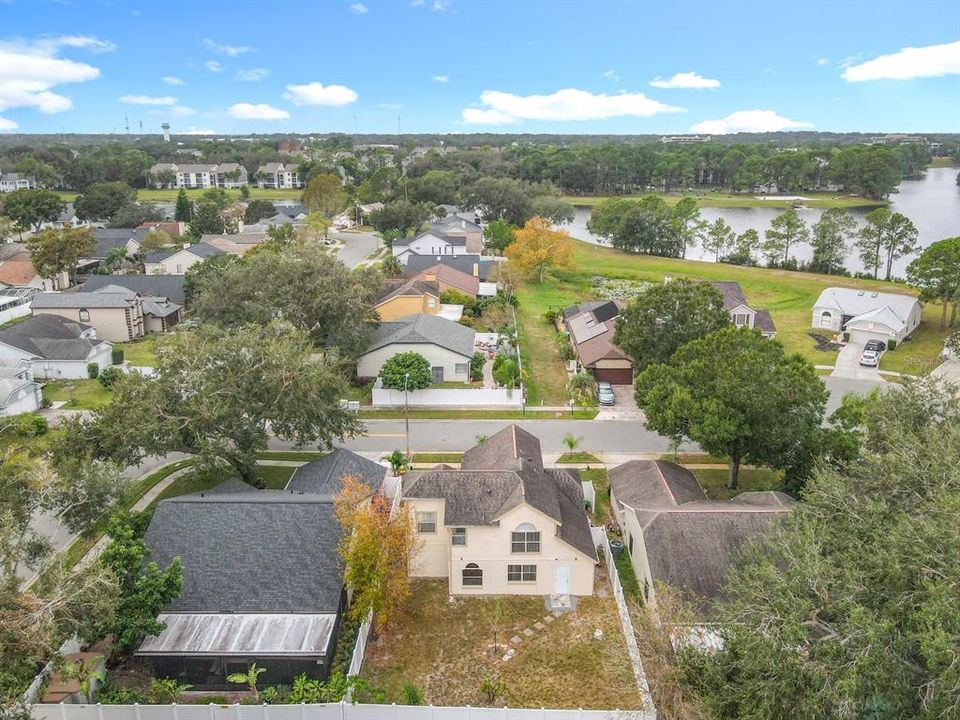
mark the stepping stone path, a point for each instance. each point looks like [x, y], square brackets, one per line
[528, 632]
[538, 626]
[515, 640]
[548, 619]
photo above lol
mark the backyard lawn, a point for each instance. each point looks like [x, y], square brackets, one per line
[789, 296]
[141, 353]
[445, 649]
[78, 394]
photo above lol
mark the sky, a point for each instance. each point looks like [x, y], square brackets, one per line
[458, 66]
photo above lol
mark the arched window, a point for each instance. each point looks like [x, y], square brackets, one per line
[472, 575]
[826, 319]
[525, 539]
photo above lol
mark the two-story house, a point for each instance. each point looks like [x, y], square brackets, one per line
[178, 261]
[502, 523]
[741, 314]
[429, 243]
[278, 175]
[117, 316]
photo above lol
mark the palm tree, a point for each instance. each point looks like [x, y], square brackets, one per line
[248, 678]
[571, 441]
[582, 387]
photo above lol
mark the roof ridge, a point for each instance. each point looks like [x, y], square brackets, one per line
[663, 478]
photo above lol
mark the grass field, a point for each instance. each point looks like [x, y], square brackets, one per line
[171, 195]
[721, 200]
[444, 647]
[142, 353]
[789, 296]
[78, 394]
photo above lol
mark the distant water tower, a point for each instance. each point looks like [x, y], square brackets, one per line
[166, 131]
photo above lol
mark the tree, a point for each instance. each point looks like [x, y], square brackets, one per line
[315, 226]
[498, 235]
[664, 318]
[203, 272]
[400, 217]
[216, 196]
[499, 199]
[646, 225]
[183, 212]
[377, 550]
[719, 238]
[145, 589]
[553, 208]
[206, 220]
[300, 283]
[57, 251]
[746, 244]
[889, 233]
[325, 194]
[406, 371]
[249, 678]
[257, 210]
[937, 273]
[134, 215]
[900, 240]
[6, 228]
[582, 388]
[155, 240]
[830, 235]
[32, 208]
[537, 248]
[871, 239]
[687, 223]
[848, 608]
[282, 236]
[116, 258]
[786, 229]
[436, 187]
[103, 200]
[571, 441]
[506, 371]
[757, 403]
[213, 395]
[391, 267]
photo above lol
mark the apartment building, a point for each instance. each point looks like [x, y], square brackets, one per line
[198, 175]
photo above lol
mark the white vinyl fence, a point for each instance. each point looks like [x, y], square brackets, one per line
[589, 494]
[495, 398]
[356, 660]
[328, 711]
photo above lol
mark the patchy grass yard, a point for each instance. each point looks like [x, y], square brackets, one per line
[714, 481]
[600, 514]
[443, 648]
[141, 353]
[78, 394]
[294, 455]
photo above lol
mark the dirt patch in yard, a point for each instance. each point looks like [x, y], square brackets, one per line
[446, 648]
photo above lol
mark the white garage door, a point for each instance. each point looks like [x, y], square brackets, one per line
[861, 336]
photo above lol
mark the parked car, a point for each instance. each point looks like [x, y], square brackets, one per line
[605, 394]
[870, 358]
[875, 345]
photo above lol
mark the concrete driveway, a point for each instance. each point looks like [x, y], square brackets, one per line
[625, 407]
[848, 364]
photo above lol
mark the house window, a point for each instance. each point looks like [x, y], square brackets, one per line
[741, 319]
[462, 368]
[826, 319]
[426, 522]
[472, 575]
[521, 573]
[458, 536]
[84, 315]
[525, 539]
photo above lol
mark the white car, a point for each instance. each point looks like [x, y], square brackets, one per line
[870, 358]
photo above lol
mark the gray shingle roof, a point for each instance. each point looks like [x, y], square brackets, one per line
[764, 321]
[108, 239]
[259, 551]
[512, 448]
[400, 288]
[50, 337]
[168, 286]
[654, 483]
[464, 263]
[425, 329]
[323, 476]
[454, 240]
[201, 249]
[83, 300]
[732, 294]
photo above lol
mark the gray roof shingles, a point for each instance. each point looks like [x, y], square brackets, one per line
[83, 300]
[324, 476]
[168, 286]
[486, 269]
[50, 337]
[425, 329]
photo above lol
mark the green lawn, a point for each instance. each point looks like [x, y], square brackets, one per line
[78, 394]
[601, 485]
[814, 199]
[940, 162]
[530, 414]
[294, 455]
[437, 458]
[714, 482]
[578, 457]
[171, 195]
[275, 477]
[142, 353]
[789, 296]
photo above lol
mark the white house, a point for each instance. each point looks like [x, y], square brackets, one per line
[447, 346]
[15, 181]
[198, 175]
[429, 243]
[867, 315]
[53, 347]
[177, 262]
[18, 391]
[502, 524]
[741, 314]
[278, 175]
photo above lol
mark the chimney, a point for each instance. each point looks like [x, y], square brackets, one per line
[476, 269]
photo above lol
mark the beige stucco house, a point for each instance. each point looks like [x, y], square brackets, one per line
[117, 316]
[408, 297]
[502, 524]
[177, 262]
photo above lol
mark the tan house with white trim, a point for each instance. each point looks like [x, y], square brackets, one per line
[117, 316]
[408, 297]
[503, 524]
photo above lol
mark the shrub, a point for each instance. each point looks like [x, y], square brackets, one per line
[551, 316]
[109, 694]
[30, 425]
[476, 366]
[891, 344]
[93, 370]
[846, 337]
[116, 356]
[564, 348]
[411, 364]
[412, 694]
[109, 376]
[492, 688]
[452, 297]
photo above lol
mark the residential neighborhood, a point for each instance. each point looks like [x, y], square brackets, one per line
[390, 386]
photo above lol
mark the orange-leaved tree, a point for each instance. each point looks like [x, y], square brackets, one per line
[376, 549]
[539, 247]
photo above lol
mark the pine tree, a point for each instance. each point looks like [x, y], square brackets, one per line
[184, 208]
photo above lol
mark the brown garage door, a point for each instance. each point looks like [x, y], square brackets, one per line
[614, 376]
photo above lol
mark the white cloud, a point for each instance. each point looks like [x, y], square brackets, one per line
[822, 61]
[30, 69]
[253, 75]
[171, 80]
[228, 50]
[182, 111]
[563, 105]
[213, 66]
[440, 6]
[685, 81]
[611, 75]
[359, 9]
[441, 78]
[749, 121]
[6, 124]
[908, 63]
[261, 111]
[197, 131]
[147, 100]
[316, 93]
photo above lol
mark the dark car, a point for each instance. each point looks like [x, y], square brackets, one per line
[605, 394]
[875, 345]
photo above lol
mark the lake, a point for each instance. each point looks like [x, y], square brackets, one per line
[931, 202]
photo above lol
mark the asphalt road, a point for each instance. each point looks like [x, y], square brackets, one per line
[358, 245]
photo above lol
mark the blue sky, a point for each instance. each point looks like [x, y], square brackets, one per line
[473, 65]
